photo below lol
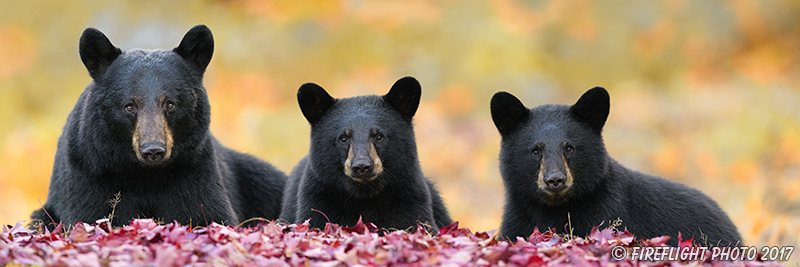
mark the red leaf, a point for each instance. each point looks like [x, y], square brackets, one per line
[448, 228]
[537, 237]
[454, 231]
[685, 243]
[360, 227]
[144, 243]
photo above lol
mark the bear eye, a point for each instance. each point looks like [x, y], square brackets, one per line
[536, 151]
[343, 138]
[379, 137]
[170, 106]
[129, 108]
[568, 148]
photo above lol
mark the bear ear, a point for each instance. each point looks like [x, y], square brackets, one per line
[314, 102]
[197, 47]
[97, 52]
[404, 96]
[592, 108]
[507, 112]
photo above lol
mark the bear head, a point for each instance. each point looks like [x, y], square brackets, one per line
[150, 103]
[552, 153]
[362, 143]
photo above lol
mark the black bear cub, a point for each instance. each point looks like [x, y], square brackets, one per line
[141, 129]
[553, 162]
[362, 161]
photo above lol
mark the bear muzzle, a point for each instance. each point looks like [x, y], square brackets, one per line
[153, 153]
[152, 140]
[554, 176]
[363, 164]
[555, 183]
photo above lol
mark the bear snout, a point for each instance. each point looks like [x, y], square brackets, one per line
[362, 169]
[153, 153]
[152, 139]
[555, 182]
[363, 163]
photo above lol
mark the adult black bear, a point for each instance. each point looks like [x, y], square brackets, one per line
[362, 162]
[141, 129]
[553, 162]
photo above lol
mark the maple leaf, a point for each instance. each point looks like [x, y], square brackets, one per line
[360, 228]
[146, 243]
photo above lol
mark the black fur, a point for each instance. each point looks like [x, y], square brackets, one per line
[97, 52]
[398, 198]
[603, 190]
[202, 181]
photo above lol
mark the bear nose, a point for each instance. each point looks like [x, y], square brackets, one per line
[555, 180]
[153, 152]
[362, 169]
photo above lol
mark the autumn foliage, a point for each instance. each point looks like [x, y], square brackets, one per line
[146, 243]
[704, 92]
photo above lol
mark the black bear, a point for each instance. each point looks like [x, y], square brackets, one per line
[141, 129]
[553, 162]
[362, 161]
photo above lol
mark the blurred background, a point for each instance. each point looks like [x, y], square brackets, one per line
[706, 93]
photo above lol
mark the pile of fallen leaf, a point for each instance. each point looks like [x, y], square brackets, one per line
[145, 242]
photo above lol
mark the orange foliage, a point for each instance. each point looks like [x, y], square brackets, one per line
[669, 161]
[582, 22]
[248, 90]
[516, 19]
[765, 55]
[703, 61]
[744, 171]
[791, 190]
[456, 100]
[388, 15]
[289, 9]
[17, 50]
[656, 39]
[707, 163]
